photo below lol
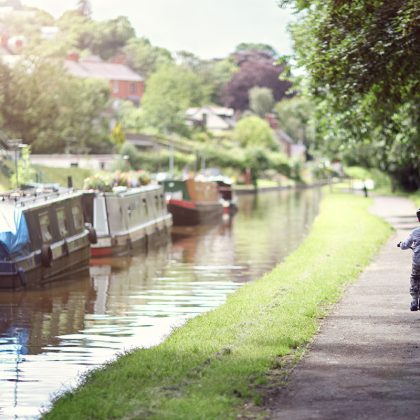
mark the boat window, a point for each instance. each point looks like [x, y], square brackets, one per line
[62, 222]
[44, 223]
[77, 217]
[146, 209]
[157, 202]
[162, 200]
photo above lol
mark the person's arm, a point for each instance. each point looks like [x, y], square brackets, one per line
[407, 243]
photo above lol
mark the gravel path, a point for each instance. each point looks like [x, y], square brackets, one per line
[365, 361]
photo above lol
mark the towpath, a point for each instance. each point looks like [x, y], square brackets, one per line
[365, 361]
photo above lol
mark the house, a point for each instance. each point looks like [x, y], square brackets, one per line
[289, 147]
[214, 119]
[287, 144]
[124, 83]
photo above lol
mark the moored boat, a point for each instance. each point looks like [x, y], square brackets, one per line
[229, 201]
[193, 202]
[42, 237]
[127, 218]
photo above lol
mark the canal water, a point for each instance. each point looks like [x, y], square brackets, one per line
[50, 337]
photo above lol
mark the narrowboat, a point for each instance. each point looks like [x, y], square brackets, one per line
[193, 202]
[229, 201]
[127, 218]
[42, 237]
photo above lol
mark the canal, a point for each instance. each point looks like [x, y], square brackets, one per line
[50, 337]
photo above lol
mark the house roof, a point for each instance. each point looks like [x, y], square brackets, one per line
[216, 118]
[94, 67]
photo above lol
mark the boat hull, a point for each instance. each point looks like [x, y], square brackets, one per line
[135, 219]
[16, 275]
[187, 213]
[121, 245]
[48, 241]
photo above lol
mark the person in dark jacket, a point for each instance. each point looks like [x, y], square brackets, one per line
[413, 242]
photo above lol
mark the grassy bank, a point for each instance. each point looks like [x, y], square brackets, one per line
[213, 364]
[416, 198]
[48, 174]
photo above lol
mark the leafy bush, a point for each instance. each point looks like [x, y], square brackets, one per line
[105, 182]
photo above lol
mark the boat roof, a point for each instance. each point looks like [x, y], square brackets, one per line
[36, 197]
[124, 191]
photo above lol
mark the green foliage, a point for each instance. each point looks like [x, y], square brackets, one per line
[295, 117]
[129, 157]
[112, 35]
[55, 112]
[25, 171]
[144, 58]
[362, 59]
[261, 100]
[216, 74]
[213, 364]
[382, 180]
[131, 117]
[117, 135]
[254, 131]
[105, 182]
[252, 46]
[84, 7]
[170, 91]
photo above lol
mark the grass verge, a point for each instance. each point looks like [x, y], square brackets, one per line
[416, 198]
[209, 367]
[59, 175]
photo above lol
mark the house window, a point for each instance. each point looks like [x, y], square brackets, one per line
[44, 223]
[115, 86]
[133, 89]
[77, 217]
[62, 222]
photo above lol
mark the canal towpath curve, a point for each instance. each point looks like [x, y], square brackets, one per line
[365, 361]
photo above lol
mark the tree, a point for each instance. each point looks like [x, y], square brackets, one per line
[117, 135]
[111, 36]
[131, 117]
[261, 100]
[169, 93]
[53, 111]
[295, 116]
[363, 64]
[84, 8]
[254, 131]
[144, 58]
[251, 46]
[77, 32]
[256, 69]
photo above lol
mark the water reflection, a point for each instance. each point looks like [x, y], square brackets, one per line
[50, 336]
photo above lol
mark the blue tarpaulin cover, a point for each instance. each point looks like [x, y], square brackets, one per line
[14, 234]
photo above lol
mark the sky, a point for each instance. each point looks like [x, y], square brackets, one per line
[208, 28]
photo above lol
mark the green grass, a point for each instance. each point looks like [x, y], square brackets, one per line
[4, 182]
[59, 175]
[416, 198]
[214, 364]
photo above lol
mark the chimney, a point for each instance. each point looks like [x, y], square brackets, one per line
[73, 56]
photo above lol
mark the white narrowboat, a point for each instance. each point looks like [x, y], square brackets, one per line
[127, 218]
